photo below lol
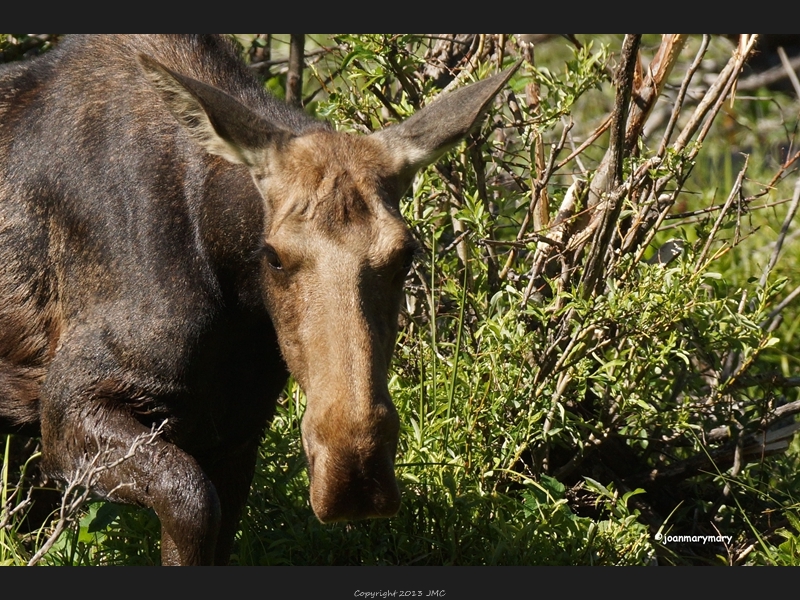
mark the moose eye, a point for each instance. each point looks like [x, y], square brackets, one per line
[408, 261]
[272, 257]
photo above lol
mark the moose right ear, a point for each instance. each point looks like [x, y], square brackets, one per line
[216, 120]
[423, 138]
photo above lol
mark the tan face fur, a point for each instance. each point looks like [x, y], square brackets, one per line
[336, 256]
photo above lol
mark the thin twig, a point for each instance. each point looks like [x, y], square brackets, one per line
[79, 486]
[789, 70]
[784, 303]
[676, 109]
[717, 91]
[601, 129]
[737, 186]
[782, 235]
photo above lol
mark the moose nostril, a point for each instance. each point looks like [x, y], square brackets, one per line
[365, 488]
[356, 506]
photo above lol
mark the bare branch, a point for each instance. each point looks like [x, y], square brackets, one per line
[79, 486]
[782, 235]
[676, 110]
[737, 187]
[294, 78]
[645, 97]
[765, 78]
[713, 98]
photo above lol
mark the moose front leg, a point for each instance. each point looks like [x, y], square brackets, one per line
[232, 474]
[120, 459]
[122, 462]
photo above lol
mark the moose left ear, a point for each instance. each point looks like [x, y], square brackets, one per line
[217, 121]
[423, 138]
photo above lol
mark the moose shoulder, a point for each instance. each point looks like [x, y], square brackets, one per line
[173, 242]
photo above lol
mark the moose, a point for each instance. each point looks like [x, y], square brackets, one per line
[174, 241]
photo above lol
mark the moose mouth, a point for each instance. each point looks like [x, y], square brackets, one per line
[353, 493]
[349, 484]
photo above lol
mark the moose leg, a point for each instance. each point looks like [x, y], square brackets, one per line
[122, 461]
[232, 476]
[89, 434]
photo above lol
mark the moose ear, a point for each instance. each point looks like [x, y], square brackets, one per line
[217, 121]
[423, 138]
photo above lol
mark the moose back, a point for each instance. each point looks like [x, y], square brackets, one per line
[173, 242]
